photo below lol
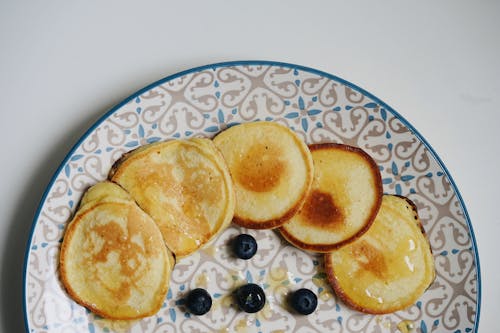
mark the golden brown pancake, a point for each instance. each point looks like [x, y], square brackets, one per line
[184, 185]
[271, 169]
[113, 259]
[389, 267]
[343, 201]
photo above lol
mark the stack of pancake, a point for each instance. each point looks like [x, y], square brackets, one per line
[168, 199]
[161, 201]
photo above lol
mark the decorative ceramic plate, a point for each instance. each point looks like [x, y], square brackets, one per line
[319, 107]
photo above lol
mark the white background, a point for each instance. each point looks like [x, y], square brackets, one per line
[64, 63]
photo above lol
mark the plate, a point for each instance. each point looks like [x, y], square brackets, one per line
[320, 107]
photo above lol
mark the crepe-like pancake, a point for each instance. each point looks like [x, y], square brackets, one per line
[344, 199]
[389, 267]
[184, 185]
[113, 259]
[271, 169]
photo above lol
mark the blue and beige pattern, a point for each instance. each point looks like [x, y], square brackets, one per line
[320, 108]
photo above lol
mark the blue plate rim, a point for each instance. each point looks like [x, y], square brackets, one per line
[250, 63]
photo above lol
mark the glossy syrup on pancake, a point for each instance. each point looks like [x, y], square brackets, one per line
[184, 185]
[113, 259]
[389, 267]
[271, 168]
[343, 201]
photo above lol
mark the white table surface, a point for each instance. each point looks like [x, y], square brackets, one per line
[64, 63]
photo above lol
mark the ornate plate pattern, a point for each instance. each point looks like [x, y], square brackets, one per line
[320, 108]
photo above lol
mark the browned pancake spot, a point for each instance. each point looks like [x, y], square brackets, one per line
[369, 258]
[320, 211]
[117, 241]
[260, 169]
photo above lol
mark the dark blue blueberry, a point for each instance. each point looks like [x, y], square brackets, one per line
[198, 301]
[250, 298]
[244, 246]
[304, 301]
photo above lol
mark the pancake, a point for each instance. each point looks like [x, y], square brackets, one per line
[344, 199]
[103, 191]
[113, 259]
[389, 267]
[271, 169]
[184, 185]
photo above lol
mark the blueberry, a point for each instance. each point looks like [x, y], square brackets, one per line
[304, 301]
[244, 246]
[250, 298]
[198, 301]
